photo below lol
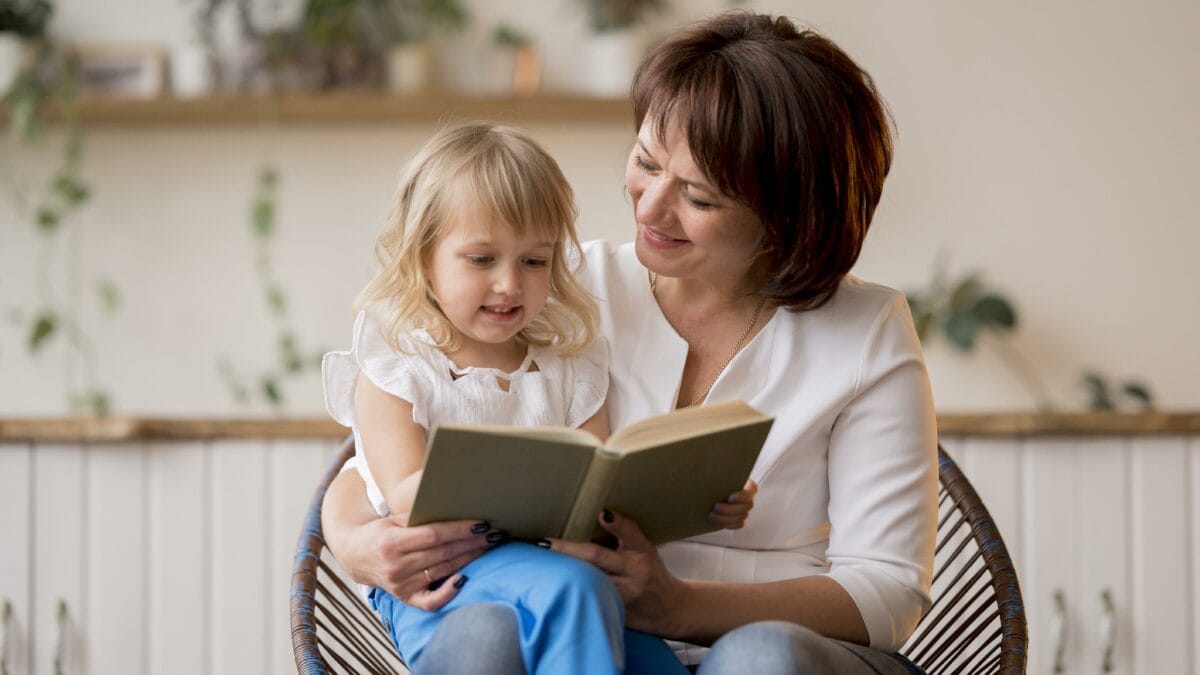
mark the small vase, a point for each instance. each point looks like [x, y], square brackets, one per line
[613, 57]
[409, 68]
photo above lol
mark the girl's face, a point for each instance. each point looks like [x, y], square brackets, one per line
[685, 227]
[489, 281]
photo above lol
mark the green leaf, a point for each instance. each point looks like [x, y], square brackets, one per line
[289, 354]
[43, 328]
[960, 330]
[276, 300]
[995, 311]
[48, 220]
[93, 402]
[110, 297]
[71, 190]
[270, 391]
[1096, 387]
[263, 217]
[1139, 392]
[965, 293]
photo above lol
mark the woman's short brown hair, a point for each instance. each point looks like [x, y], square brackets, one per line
[785, 122]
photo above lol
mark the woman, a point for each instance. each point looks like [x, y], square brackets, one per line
[760, 157]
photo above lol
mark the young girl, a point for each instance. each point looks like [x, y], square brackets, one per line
[475, 317]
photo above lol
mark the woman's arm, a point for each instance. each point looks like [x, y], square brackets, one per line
[702, 611]
[381, 552]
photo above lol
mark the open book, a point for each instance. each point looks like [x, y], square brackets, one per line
[665, 472]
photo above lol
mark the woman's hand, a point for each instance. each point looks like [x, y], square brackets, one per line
[653, 597]
[419, 565]
[401, 560]
[731, 514]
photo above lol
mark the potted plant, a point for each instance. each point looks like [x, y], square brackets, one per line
[508, 65]
[406, 29]
[616, 45]
[20, 22]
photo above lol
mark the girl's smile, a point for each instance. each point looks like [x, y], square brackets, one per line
[490, 282]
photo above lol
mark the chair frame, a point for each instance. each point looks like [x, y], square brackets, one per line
[334, 631]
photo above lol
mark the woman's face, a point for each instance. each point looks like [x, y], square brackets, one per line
[685, 227]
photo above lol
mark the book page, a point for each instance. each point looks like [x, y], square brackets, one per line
[669, 489]
[683, 423]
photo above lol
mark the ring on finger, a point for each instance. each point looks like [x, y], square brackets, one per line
[428, 577]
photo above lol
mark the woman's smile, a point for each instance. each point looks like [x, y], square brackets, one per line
[661, 241]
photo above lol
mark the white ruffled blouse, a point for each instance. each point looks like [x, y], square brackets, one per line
[546, 390]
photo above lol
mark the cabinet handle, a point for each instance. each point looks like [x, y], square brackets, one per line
[60, 637]
[5, 616]
[1058, 630]
[1108, 630]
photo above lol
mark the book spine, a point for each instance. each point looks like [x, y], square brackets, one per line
[582, 523]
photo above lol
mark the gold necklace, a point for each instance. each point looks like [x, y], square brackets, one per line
[736, 347]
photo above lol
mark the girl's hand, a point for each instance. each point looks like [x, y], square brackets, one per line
[731, 514]
[404, 560]
[653, 597]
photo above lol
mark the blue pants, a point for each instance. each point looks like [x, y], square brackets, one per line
[570, 618]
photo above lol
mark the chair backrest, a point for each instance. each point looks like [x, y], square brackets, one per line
[977, 621]
[333, 630]
[975, 625]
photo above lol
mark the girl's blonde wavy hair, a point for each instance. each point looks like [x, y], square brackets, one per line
[498, 171]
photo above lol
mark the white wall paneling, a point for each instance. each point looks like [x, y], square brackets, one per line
[175, 556]
[16, 494]
[294, 468]
[60, 557]
[116, 607]
[1162, 574]
[179, 579]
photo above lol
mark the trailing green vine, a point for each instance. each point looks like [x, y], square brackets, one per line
[291, 361]
[51, 83]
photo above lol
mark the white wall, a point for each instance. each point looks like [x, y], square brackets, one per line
[1051, 145]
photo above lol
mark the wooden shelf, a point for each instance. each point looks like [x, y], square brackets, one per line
[346, 108]
[122, 429]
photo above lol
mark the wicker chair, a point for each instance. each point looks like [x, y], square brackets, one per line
[976, 623]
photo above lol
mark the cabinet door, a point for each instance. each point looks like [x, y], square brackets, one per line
[1049, 581]
[1102, 531]
[16, 471]
[1162, 575]
[115, 579]
[58, 535]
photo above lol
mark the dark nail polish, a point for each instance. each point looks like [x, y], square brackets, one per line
[462, 581]
[544, 543]
[608, 516]
[497, 537]
[480, 527]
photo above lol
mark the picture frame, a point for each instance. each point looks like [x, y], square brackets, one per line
[121, 71]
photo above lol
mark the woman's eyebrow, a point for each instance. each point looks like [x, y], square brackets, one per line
[699, 184]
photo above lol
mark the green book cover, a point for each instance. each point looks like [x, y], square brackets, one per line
[665, 472]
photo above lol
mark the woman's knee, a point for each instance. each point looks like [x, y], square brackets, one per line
[774, 647]
[482, 637]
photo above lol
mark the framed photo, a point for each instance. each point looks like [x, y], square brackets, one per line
[122, 71]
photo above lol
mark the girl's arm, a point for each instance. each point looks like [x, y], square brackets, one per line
[381, 552]
[394, 445]
[597, 424]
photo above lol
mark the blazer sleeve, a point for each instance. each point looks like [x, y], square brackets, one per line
[882, 467]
